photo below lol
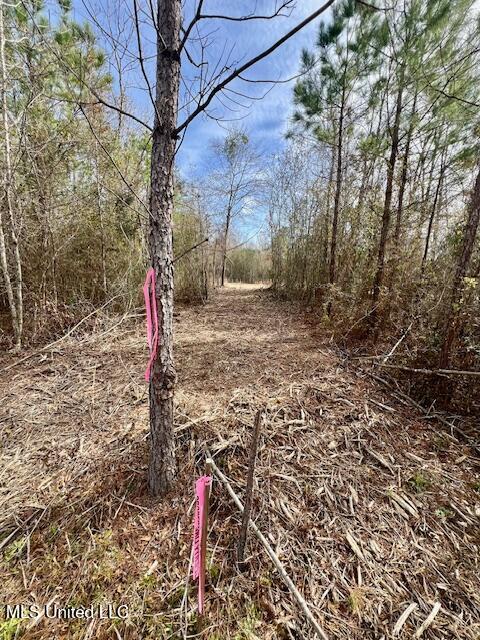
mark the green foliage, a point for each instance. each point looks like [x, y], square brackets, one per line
[419, 482]
[444, 513]
[248, 624]
[233, 142]
[9, 629]
[14, 550]
[425, 60]
[248, 265]
[82, 233]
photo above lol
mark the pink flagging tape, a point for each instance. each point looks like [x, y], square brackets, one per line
[152, 319]
[201, 488]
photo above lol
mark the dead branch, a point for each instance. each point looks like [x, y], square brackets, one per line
[249, 490]
[64, 337]
[110, 157]
[433, 372]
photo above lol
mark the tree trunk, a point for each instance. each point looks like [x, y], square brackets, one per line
[401, 197]
[403, 179]
[468, 242]
[432, 216]
[338, 189]
[327, 215]
[162, 466]
[225, 244]
[14, 288]
[103, 250]
[214, 266]
[378, 281]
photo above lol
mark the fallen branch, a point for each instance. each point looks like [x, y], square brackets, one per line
[438, 372]
[426, 413]
[273, 556]
[398, 343]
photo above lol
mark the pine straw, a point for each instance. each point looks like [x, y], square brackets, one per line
[370, 507]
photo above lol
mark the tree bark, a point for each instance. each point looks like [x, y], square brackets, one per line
[401, 197]
[403, 180]
[162, 465]
[325, 257]
[214, 266]
[469, 235]
[103, 249]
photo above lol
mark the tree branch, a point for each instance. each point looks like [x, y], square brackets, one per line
[81, 80]
[109, 156]
[141, 59]
[278, 12]
[204, 104]
[191, 249]
[188, 30]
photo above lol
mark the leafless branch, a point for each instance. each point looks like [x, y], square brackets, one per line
[184, 253]
[204, 104]
[112, 160]
[188, 30]
[62, 61]
[288, 5]
[141, 59]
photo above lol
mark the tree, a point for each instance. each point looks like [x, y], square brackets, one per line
[325, 95]
[410, 48]
[13, 284]
[468, 242]
[72, 212]
[166, 131]
[298, 179]
[410, 147]
[233, 184]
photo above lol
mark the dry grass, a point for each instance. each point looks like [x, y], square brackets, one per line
[373, 510]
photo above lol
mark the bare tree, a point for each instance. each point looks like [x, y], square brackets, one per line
[166, 131]
[233, 184]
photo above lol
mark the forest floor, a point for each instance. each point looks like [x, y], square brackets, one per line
[372, 508]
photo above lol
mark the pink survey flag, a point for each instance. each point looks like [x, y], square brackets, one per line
[198, 567]
[152, 319]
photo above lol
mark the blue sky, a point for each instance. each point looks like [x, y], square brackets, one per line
[265, 120]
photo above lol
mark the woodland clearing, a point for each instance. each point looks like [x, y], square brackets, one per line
[372, 508]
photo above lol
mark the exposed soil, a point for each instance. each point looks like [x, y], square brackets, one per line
[370, 506]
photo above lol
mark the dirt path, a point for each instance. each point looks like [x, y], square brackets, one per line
[370, 507]
[244, 337]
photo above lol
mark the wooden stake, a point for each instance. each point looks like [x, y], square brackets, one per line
[248, 494]
[296, 593]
